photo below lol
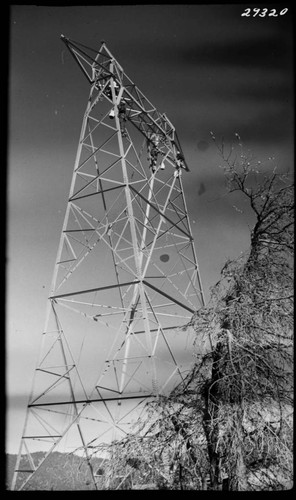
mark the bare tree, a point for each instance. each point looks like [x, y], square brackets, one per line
[230, 427]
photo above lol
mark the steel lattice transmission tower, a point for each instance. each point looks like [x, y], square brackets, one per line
[126, 277]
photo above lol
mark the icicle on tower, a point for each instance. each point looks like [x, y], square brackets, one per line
[126, 277]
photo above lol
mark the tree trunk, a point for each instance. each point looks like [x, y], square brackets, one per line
[210, 426]
[238, 473]
[211, 437]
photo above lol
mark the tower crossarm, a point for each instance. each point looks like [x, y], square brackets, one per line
[99, 67]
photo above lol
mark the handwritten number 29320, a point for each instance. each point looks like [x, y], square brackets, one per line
[263, 12]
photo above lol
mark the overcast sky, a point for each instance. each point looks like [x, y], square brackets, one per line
[207, 67]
